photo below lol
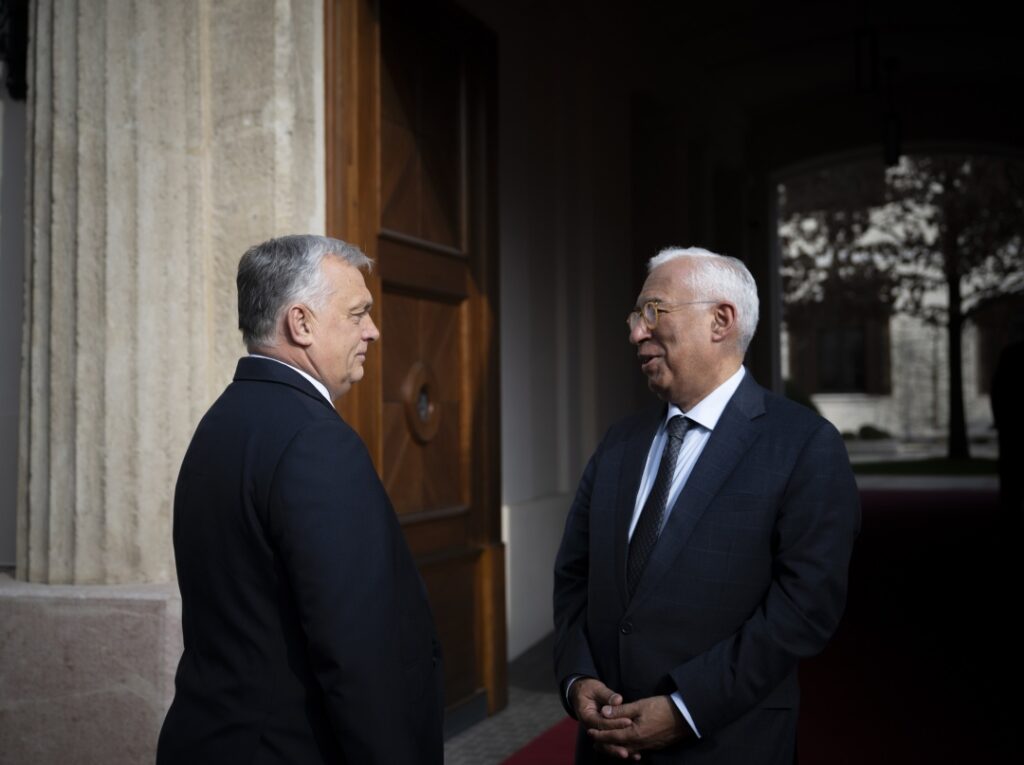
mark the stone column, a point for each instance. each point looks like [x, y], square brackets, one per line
[166, 136]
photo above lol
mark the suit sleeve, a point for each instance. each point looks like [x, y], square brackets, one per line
[816, 524]
[342, 551]
[572, 651]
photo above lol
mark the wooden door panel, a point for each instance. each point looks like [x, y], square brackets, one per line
[400, 181]
[422, 433]
[452, 588]
[440, 168]
[407, 264]
[444, 344]
[402, 344]
[448, 529]
[421, 120]
[411, 155]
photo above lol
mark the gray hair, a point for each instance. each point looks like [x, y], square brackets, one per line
[283, 271]
[719, 277]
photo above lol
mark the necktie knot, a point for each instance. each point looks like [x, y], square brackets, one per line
[678, 426]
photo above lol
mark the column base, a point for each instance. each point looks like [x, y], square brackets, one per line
[87, 671]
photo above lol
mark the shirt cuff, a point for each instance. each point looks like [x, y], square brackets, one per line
[568, 685]
[678, 701]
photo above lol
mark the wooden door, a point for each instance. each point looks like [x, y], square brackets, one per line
[411, 179]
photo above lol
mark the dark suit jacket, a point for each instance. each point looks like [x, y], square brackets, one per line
[748, 576]
[308, 636]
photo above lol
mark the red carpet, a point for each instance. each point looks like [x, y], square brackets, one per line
[555, 746]
[927, 664]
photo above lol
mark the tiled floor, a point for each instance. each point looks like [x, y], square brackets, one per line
[533, 707]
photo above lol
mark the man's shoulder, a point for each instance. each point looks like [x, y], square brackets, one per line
[259, 394]
[789, 424]
[276, 409]
[757, 401]
[260, 422]
[787, 409]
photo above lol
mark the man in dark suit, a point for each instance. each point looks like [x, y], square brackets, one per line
[308, 636]
[1008, 413]
[707, 548]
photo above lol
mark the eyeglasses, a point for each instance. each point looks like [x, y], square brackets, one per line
[649, 311]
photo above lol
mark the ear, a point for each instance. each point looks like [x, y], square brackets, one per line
[723, 322]
[298, 325]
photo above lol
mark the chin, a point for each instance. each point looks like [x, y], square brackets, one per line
[658, 390]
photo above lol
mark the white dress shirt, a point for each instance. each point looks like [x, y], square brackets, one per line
[703, 418]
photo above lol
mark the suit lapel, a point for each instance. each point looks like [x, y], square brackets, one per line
[736, 430]
[634, 459]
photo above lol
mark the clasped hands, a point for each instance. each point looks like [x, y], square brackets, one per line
[625, 730]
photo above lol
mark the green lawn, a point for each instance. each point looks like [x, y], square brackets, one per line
[930, 466]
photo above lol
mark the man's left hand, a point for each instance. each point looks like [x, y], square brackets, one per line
[656, 723]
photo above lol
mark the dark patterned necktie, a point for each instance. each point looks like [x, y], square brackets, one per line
[648, 527]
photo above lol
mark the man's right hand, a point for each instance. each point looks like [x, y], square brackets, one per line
[588, 696]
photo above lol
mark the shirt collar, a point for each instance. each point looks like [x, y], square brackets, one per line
[316, 383]
[707, 412]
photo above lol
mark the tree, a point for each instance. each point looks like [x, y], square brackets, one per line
[938, 237]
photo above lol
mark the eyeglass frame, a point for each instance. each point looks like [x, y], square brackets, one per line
[657, 309]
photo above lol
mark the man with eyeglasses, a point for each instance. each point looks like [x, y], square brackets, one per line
[707, 549]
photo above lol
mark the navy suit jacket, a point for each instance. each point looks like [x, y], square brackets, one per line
[308, 635]
[748, 576]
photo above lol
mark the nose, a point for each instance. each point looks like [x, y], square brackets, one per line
[639, 333]
[370, 333]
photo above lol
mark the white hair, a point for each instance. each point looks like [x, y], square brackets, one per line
[718, 277]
